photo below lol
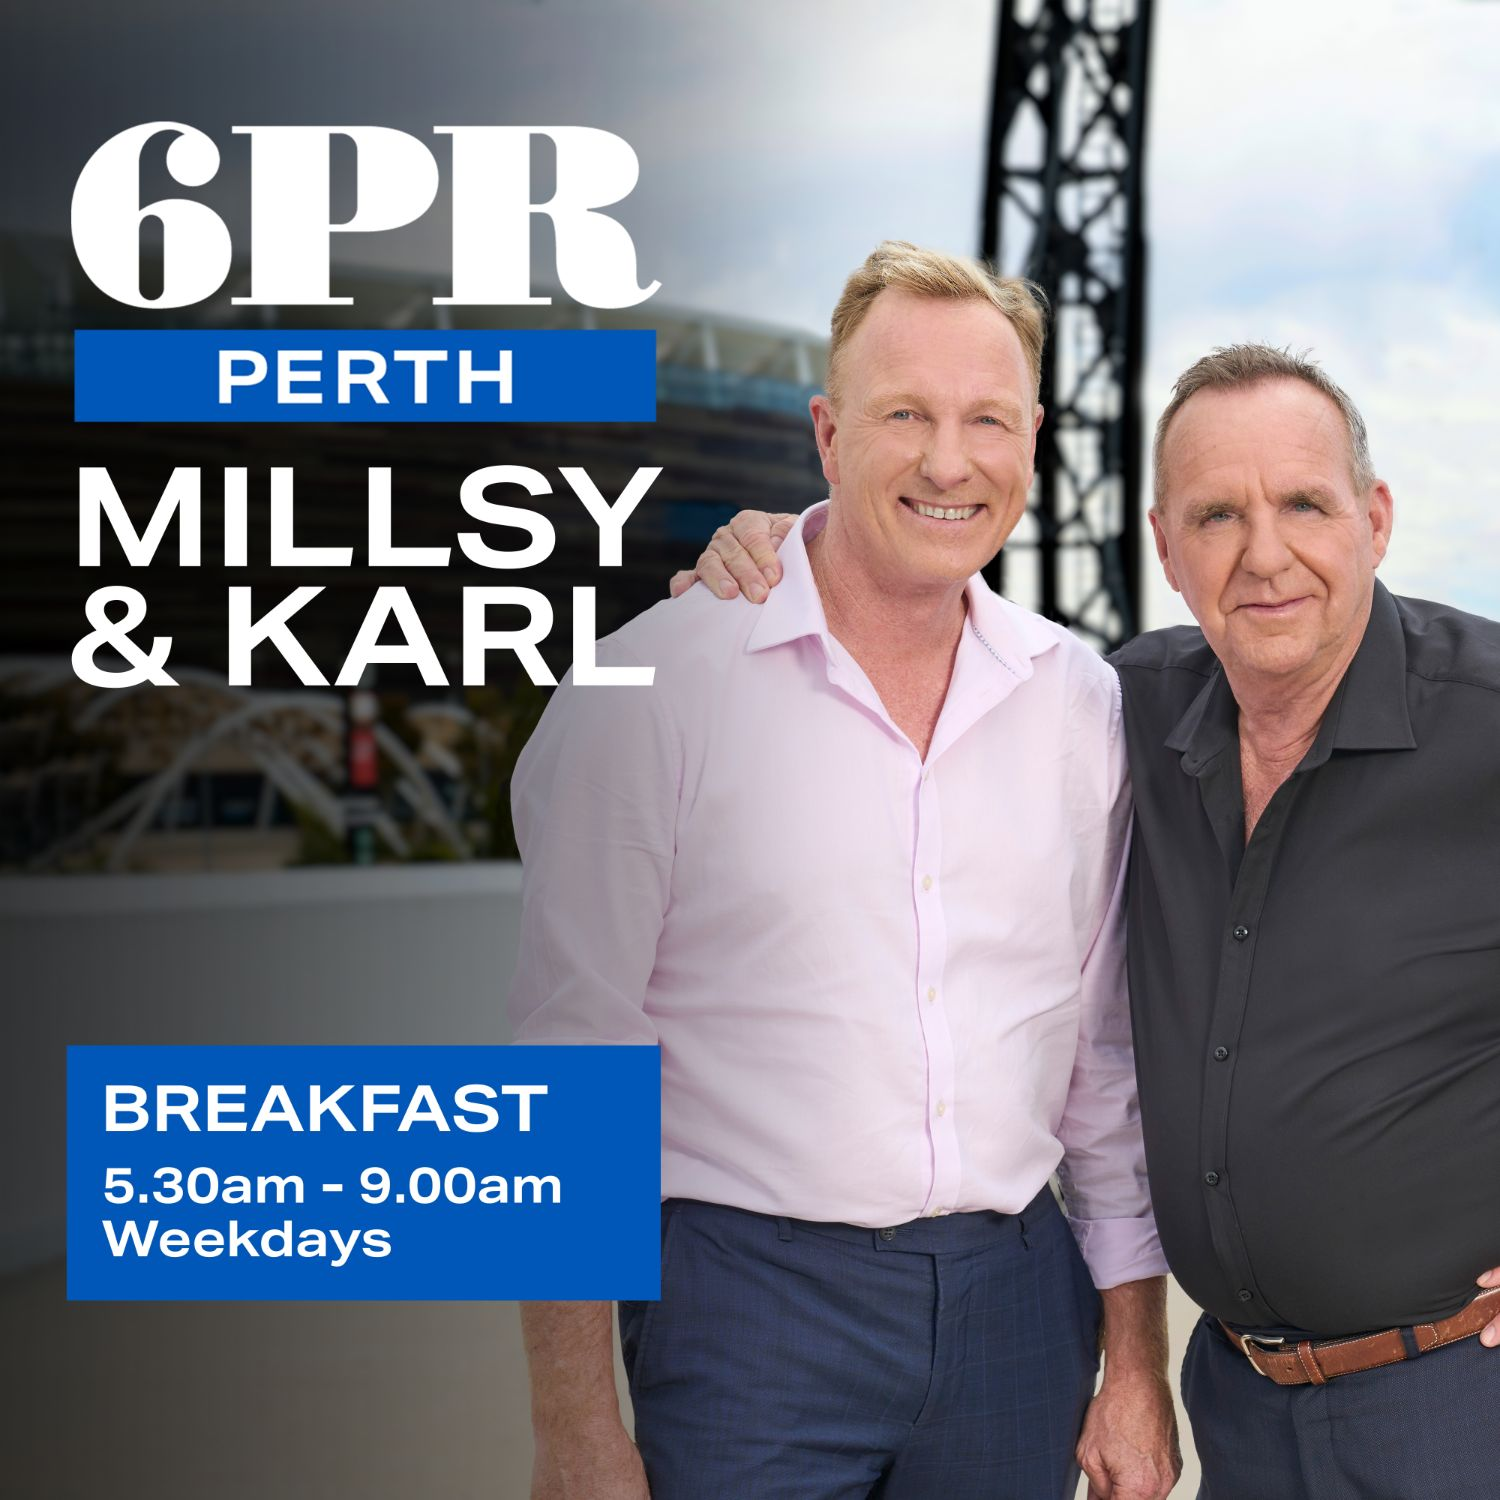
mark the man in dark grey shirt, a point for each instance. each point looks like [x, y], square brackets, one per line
[1314, 952]
[1317, 1016]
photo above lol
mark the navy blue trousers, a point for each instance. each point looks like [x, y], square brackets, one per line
[947, 1357]
[1422, 1430]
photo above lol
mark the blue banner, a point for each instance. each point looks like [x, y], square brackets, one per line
[364, 375]
[371, 1173]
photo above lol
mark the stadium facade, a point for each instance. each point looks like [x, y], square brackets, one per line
[234, 776]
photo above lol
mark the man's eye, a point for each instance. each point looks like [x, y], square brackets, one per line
[1305, 507]
[903, 415]
[992, 421]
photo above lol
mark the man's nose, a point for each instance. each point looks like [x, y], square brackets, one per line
[946, 461]
[1266, 553]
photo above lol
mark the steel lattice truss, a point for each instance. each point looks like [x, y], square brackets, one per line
[1063, 206]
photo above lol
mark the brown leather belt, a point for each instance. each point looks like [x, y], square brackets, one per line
[1307, 1363]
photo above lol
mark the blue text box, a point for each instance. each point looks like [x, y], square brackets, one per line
[575, 1200]
[174, 375]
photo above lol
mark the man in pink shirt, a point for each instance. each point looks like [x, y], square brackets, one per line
[886, 1026]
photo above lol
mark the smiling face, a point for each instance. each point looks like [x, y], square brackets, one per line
[1259, 526]
[929, 450]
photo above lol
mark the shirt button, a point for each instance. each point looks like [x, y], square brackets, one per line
[927, 882]
[1244, 1294]
[942, 1108]
[1241, 933]
[931, 993]
[1211, 1178]
[1220, 1053]
[887, 1234]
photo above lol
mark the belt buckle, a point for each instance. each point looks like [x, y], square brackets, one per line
[1262, 1344]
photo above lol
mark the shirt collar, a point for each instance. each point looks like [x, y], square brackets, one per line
[1012, 635]
[1209, 724]
[793, 609]
[1368, 710]
[1375, 714]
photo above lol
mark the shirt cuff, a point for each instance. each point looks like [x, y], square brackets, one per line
[1119, 1250]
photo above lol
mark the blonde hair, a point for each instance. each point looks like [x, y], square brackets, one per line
[929, 273]
[1238, 366]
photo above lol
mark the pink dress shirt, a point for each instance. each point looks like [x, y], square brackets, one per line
[882, 987]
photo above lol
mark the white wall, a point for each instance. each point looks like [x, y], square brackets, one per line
[415, 953]
[308, 1400]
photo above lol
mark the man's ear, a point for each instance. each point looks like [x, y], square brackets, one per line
[1382, 519]
[825, 430]
[1159, 536]
[1036, 427]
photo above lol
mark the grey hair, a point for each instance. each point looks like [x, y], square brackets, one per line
[1237, 366]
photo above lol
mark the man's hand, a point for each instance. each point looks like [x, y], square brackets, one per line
[1128, 1448]
[582, 1449]
[599, 1466]
[1490, 1337]
[741, 555]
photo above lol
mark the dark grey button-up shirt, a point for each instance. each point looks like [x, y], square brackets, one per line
[1317, 1013]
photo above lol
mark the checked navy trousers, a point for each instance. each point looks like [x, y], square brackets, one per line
[1428, 1429]
[948, 1357]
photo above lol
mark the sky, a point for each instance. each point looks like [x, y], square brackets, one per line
[1327, 176]
[1324, 175]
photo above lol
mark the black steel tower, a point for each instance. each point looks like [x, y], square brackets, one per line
[1063, 206]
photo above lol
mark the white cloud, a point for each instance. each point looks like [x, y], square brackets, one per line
[1316, 168]
[1312, 183]
[1297, 136]
[1428, 388]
